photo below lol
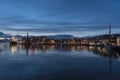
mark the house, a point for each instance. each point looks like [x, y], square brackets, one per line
[51, 41]
[118, 41]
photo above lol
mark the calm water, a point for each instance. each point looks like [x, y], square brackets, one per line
[57, 63]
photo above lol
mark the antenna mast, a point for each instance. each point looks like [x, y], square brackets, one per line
[109, 32]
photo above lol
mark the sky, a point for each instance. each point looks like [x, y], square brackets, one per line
[54, 17]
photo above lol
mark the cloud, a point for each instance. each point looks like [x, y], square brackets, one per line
[23, 23]
[59, 16]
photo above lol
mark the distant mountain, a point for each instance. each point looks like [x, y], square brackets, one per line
[19, 36]
[1, 33]
[60, 37]
[57, 37]
[48, 37]
[103, 36]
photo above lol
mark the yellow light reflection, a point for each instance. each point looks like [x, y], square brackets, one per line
[13, 49]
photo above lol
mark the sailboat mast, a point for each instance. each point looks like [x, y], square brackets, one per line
[109, 28]
[109, 32]
[27, 35]
[27, 39]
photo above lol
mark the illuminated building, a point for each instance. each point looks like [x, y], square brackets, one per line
[118, 41]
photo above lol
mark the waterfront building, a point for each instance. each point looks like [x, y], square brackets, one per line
[13, 40]
[51, 41]
[118, 41]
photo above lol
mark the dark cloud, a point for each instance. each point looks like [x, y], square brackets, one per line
[23, 23]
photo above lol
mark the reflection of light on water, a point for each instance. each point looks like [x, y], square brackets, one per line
[14, 49]
[73, 49]
[1, 46]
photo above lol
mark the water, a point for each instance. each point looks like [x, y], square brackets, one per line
[57, 63]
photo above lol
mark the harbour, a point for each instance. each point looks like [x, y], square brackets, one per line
[59, 39]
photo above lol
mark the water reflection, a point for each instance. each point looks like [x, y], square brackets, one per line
[104, 52]
[72, 66]
[13, 49]
[98, 51]
[101, 51]
[45, 48]
[1, 47]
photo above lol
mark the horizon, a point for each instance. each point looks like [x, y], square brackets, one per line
[79, 18]
[59, 35]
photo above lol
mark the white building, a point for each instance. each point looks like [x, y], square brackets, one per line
[14, 39]
[118, 41]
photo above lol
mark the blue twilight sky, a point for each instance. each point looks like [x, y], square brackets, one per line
[52, 17]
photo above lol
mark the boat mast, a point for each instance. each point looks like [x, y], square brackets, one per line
[109, 32]
[27, 35]
[110, 37]
[27, 39]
